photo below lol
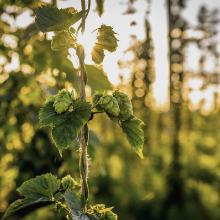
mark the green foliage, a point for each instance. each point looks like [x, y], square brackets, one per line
[113, 118]
[99, 7]
[97, 79]
[66, 126]
[62, 40]
[68, 182]
[101, 212]
[95, 99]
[106, 41]
[97, 54]
[40, 189]
[124, 104]
[58, 19]
[106, 38]
[134, 134]
[67, 131]
[76, 203]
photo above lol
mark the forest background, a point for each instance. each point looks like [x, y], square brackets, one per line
[174, 88]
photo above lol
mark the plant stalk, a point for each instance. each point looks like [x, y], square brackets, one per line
[83, 80]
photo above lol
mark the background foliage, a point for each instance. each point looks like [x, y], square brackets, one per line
[176, 180]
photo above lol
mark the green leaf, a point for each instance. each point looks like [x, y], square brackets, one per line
[134, 134]
[76, 203]
[49, 18]
[113, 118]
[97, 79]
[48, 116]
[99, 7]
[39, 189]
[66, 132]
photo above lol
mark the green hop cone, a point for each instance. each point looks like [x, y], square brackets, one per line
[110, 104]
[124, 104]
[97, 54]
[109, 215]
[63, 101]
[51, 99]
[62, 40]
[96, 99]
[68, 182]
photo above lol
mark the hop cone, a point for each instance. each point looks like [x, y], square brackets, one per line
[51, 99]
[68, 182]
[109, 215]
[62, 40]
[124, 104]
[102, 212]
[110, 104]
[96, 99]
[63, 101]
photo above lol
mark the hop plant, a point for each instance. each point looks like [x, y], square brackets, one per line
[96, 99]
[110, 104]
[102, 212]
[63, 101]
[107, 39]
[124, 104]
[51, 99]
[62, 40]
[109, 215]
[68, 182]
[97, 54]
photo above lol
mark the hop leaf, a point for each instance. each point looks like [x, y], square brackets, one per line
[124, 104]
[49, 18]
[96, 99]
[63, 101]
[134, 134]
[68, 182]
[99, 7]
[107, 39]
[62, 40]
[97, 54]
[39, 189]
[110, 104]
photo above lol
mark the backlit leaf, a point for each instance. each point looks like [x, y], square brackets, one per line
[134, 134]
[49, 18]
[39, 189]
[99, 7]
[69, 127]
[76, 203]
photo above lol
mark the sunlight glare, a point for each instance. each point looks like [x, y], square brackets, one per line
[88, 42]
